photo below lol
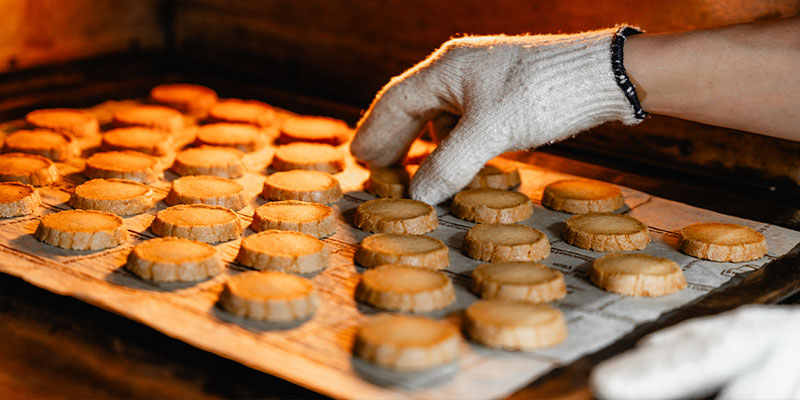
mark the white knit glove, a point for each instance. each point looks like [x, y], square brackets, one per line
[512, 93]
[750, 353]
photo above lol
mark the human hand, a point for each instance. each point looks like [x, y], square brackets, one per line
[511, 93]
[749, 353]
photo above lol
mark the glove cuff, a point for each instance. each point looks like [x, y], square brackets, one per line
[618, 66]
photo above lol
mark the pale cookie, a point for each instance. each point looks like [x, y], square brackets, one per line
[388, 182]
[208, 160]
[138, 138]
[405, 288]
[419, 151]
[309, 156]
[17, 199]
[124, 164]
[27, 168]
[117, 196]
[57, 146]
[637, 275]
[605, 232]
[491, 206]
[315, 130]
[243, 111]
[82, 230]
[518, 280]
[201, 222]
[207, 189]
[515, 325]
[406, 343]
[390, 248]
[76, 122]
[242, 137]
[291, 215]
[186, 97]
[151, 116]
[581, 196]
[174, 260]
[500, 242]
[269, 296]
[722, 242]
[396, 216]
[287, 251]
[497, 176]
[298, 184]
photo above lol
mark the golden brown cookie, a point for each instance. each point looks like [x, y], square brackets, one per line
[500, 242]
[497, 176]
[518, 280]
[243, 111]
[287, 251]
[269, 296]
[208, 160]
[82, 230]
[390, 248]
[605, 232]
[75, 122]
[124, 164]
[637, 275]
[406, 343]
[185, 97]
[27, 168]
[298, 184]
[491, 206]
[174, 260]
[138, 138]
[210, 224]
[291, 215]
[151, 116]
[515, 325]
[388, 182]
[309, 156]
[243, 137]
[722, 242]
[581, 196]
[419, 151]
[207, 189]
[117, 196]
[57, 146]
[315, 129]
[396, 216]
[17, 199]
[400, 287]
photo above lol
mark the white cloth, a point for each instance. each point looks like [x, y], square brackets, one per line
[512, 93]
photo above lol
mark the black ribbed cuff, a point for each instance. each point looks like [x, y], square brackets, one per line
[618, 66]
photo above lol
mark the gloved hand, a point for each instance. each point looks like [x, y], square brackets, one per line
[511, 92]
[750, 353]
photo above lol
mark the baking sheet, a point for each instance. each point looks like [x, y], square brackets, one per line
[317, 353]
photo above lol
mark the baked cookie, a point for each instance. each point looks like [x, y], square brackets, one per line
[396, 216]
[298, 184]
[500, 242]
[75, 122]
[406, 343]
[82, 230]
[57, 146]
[722, 242]
[117, 196]
[497, 176]
[315, 130]
[515, 325]
[17, 199]
[637, 275]
[207, 189]
[400, 287]
[419, 151]
[124, 164]
[151, 116]
[174, 260]
[209, 160]
[138, 138]
[581, 196]
[491, 206]
[269, 296]
[243, 111]
[605, 232]
[291, 215]
[243, 137]
[518, 280]
[27, 168]
[309, 156]
[390, 248]
[389, 182]
[287, 251]
[185, 97]
[201, 222]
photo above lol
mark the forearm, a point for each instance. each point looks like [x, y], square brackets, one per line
[743, 76]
